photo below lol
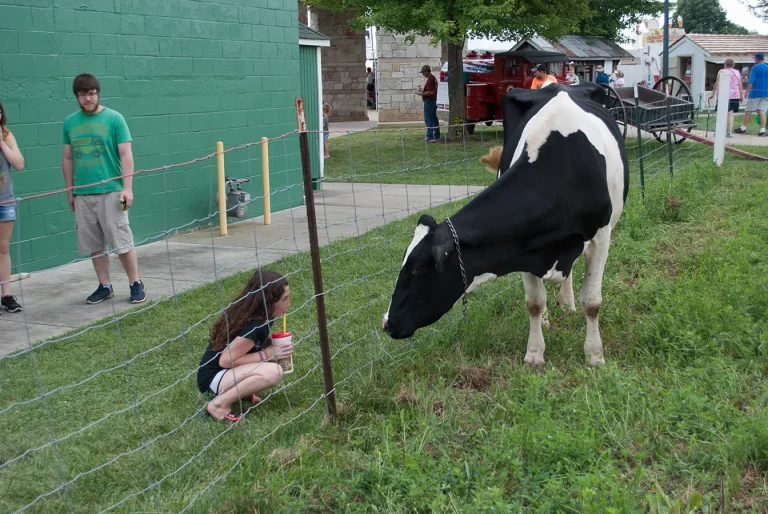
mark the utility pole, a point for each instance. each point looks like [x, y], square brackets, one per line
[665, 48]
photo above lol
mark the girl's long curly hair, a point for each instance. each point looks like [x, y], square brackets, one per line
[3, 122]
[248, 306]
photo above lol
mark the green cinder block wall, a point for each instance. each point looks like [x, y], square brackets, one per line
[184, 73]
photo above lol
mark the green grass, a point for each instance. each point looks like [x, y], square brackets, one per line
[738, 119]
[400, 156]
[451, 421]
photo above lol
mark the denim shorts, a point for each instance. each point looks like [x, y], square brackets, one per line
[7, 212]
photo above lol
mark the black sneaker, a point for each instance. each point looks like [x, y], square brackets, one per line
[137, 292]
[101, 294]
[761, 134]
[740, 131]
[10, 303]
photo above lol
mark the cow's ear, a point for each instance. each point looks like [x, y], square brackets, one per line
[428, 221]
[442, 248]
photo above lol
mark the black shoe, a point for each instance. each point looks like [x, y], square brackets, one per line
[761, 134]
[101, 294]
[739, 131]
[137, 292]
[10, 304]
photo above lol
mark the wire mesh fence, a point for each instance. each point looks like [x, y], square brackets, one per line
[108, 416]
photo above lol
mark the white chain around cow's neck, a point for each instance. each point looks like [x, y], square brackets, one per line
[461, 264]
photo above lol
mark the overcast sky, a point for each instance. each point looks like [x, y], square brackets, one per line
[735, 10]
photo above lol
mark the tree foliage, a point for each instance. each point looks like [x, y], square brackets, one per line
[608, 18]
[451, 21]
[758, 7]
[705, 17]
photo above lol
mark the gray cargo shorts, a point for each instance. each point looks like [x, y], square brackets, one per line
[99, 217]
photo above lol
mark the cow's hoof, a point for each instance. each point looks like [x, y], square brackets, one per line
[534, 359]
[595, 360]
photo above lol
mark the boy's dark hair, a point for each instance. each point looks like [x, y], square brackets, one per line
[85, 82]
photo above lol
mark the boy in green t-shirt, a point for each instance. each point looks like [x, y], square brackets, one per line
[98, 172]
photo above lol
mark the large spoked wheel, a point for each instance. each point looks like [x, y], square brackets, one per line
[672, 86]
[617, 108]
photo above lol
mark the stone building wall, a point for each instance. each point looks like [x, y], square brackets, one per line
[398, 76]
[344, 76]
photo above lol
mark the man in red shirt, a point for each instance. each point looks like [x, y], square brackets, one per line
[429, 95]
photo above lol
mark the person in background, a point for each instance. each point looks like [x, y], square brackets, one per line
[10, 157]
[735, 92]
[757, 94]
[540, 77]
[619, 82]
[240, 359]
[571, 76]
[429, 95]
[97, 148]
[602, 76]
[371, 87]
[326, 114]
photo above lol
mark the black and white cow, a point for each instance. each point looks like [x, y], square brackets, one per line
[563, 180]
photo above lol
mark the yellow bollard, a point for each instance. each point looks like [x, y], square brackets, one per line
[222, 189]
[265, 179]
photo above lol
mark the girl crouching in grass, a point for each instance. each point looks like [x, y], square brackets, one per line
[240, 359]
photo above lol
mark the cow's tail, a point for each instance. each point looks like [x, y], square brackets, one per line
[492, 159]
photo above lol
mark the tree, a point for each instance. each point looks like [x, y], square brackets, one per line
[452, 21]
[705, 17]
[609, 18]
[758, 7]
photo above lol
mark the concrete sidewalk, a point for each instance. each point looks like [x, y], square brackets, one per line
[54, 300]
[342, 128]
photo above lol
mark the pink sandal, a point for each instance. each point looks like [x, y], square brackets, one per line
[234, 418]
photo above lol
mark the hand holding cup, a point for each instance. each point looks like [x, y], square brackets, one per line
[284, 351]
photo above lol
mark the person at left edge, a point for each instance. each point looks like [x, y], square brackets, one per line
[97, 147]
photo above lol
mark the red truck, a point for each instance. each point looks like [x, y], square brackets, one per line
[490, 78]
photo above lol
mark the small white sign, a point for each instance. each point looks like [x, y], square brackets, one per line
[442, 96]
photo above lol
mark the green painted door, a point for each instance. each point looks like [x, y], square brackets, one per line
[308, 64]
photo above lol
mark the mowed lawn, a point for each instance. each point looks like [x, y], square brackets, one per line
[452, 420]
[400, 156]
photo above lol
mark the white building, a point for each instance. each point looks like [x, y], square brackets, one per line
[697, 58]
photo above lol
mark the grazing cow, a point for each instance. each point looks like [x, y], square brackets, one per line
[492, 162]
[562, 183]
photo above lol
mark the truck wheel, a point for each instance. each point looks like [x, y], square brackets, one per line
[470, 128]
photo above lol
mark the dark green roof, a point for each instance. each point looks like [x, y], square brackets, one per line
[307, 33]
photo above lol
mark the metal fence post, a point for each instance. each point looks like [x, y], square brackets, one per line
[265, 180]
[222, 192]
[314, 248]
[639, 124]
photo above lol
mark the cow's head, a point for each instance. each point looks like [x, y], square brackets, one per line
[429, 283]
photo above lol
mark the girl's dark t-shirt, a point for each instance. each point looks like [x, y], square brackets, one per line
[257, 331]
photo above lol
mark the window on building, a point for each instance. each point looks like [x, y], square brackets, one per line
[511, 69]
